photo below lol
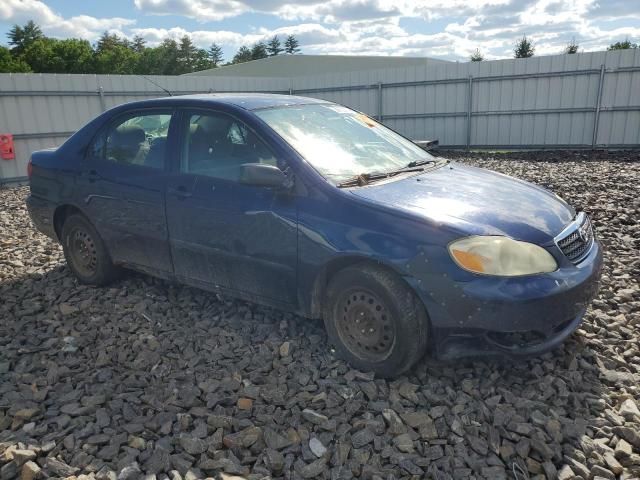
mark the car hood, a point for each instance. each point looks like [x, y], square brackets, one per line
[476, 201]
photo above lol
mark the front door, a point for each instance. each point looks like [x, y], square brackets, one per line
[123, 182]
[223, 233]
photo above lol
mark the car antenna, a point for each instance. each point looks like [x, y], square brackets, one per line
[159, 86]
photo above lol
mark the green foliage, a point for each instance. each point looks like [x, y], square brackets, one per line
[48, 55]
[258, 51]
[112, 54]
[477, 56]
[109, 41]
[242, 55]
[116, 60]
[274, 47]
[571, 48]
[215, 55]
[138, 44]
[21, 37]
[625, 45]
[291, 45]
[10, 64]
[187, 52]
[524, 48]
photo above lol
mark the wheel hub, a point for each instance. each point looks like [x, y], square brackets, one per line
[364, 325]
[83, 251]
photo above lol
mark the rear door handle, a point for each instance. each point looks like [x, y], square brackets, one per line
[180, 192]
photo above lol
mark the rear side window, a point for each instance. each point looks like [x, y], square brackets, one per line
[136, 140]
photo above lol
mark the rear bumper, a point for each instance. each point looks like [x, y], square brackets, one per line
[41, 213]
[519, 316]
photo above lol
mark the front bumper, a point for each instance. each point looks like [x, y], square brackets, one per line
[518, 316]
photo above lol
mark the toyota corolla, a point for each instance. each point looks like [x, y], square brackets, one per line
[314, 208]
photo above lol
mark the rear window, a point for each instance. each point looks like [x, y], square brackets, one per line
[139, 140]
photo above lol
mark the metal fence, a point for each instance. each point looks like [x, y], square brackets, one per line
[589, 100]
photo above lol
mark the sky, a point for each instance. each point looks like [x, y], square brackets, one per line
[447, 29]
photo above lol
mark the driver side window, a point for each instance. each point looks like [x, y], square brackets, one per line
[138, 140]
[217, 145]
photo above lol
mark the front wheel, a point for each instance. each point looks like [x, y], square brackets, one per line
[375, 321]
[85, 252]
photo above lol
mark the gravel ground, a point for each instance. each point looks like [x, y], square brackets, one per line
[147, 379]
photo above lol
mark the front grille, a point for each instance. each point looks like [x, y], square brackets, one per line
[576, 241]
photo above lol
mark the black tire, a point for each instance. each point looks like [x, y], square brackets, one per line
[374, 320]
[85, 252]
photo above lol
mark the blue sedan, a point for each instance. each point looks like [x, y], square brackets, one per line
[314, 208]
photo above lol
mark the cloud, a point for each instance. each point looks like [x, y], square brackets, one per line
[450, 29]
[201, 10]
[84, 26]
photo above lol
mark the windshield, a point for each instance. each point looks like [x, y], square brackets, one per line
[341, 143]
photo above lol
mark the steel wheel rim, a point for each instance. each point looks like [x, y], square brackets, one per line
[364, 325]
[84, 254]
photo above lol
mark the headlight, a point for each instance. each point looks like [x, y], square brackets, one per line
[501, 256]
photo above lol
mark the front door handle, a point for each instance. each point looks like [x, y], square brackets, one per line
[180, 192]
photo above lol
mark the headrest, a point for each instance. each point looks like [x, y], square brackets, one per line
[129, 135]
[217, 125]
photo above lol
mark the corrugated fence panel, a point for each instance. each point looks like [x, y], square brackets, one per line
[619, 120]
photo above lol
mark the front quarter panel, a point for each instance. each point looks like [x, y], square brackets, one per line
[336, 226]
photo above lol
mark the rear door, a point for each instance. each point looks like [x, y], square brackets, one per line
[222, 233]
[123, 182]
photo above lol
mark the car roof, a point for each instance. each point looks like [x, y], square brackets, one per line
[248, 101]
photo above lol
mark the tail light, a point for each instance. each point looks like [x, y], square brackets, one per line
[29, 169]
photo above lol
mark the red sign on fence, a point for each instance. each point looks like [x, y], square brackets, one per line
[7, 152]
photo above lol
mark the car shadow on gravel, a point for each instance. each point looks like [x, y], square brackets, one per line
[155, 377]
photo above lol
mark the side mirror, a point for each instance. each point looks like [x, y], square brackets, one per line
[427, 144]
[261, 175]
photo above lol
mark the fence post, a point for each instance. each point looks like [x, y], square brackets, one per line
[469, 89]
[103, 106]
[596, 119]
[380, 101]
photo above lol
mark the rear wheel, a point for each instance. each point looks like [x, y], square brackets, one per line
[85, 252]
[375, 321]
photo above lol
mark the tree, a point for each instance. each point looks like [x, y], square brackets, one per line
[9, 64]
[215, 55]
[274, 47]
[150, 62]
[242, 55]
[258, 51]
[48, 55]
[477, 56]
[625, 45]
[118, 59]
[108, 41]
[186, 55]
[168, 58]
[524, 48]
[291, 45]
[138, 44]
[21, 37]
[201, 60]
[571, 48]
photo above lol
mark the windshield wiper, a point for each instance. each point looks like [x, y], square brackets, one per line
[361, 179]
[417, 163]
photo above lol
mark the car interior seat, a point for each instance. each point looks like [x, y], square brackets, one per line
[126, 144]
